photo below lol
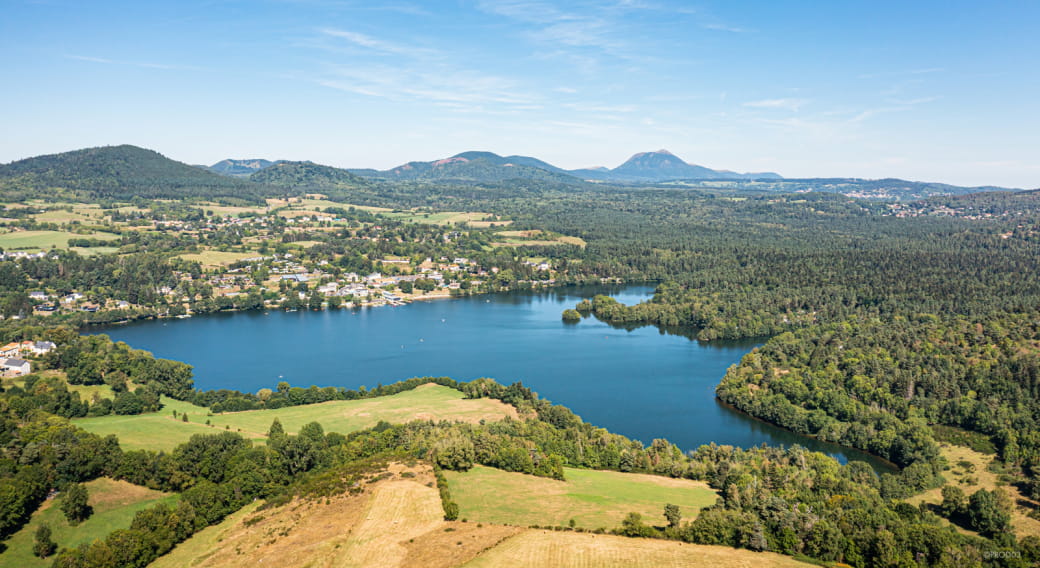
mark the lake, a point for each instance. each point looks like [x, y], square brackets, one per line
[642, 383]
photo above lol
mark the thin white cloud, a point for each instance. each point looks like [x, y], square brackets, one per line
[106, 61]
[587, 29]
[91, 59]
[377, 45]
[586, 107]
[902, 73]
[896, 105]
[405, 8]
[725, 28]
[399, 71]
[143, 64]
[438, 85]
[784, 104]
[917, 101]
[872, 112]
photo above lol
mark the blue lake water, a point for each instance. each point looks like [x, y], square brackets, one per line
[642, 383]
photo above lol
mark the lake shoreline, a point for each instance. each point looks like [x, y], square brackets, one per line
[890, 465]
[642, 383]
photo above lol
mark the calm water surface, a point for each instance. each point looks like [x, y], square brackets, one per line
[642, 383]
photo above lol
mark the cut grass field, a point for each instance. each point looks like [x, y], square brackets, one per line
[538, 548]
[302, 207]
[458, 218]
[232, 210]
[397, 522]
[533, 238]
[115, 503]
[45, 240]
[215, 258]
[66, 212]
[594, 499]
[489, 224]
[64, 216]
[160, 431]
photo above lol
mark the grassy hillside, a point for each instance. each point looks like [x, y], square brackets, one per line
[970, 471]
[594, 499]
[115, 503]
[161, 431]
[397, 522]
[537, 548]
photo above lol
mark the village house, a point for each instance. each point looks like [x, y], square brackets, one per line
[42, 347]
[16, 366]
[11, 350]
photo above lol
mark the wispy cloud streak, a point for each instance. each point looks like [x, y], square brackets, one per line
[144, 64]
[785, 104]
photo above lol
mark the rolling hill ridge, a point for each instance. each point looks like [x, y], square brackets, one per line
[121, 172]
[645, 167]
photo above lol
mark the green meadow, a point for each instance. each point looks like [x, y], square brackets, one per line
[43, 240]
[115, 503]
[594, 499]
[161, 431]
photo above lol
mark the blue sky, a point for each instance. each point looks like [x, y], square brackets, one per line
[938, 91]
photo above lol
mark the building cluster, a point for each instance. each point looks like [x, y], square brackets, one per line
[15, 255]
[12, 356]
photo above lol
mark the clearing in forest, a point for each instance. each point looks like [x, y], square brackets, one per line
[115, 503]
[533, 238]
[970, 470]
[215, 258]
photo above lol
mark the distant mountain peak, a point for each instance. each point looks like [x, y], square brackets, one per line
[661, 152]
[663, 165]
[476, 166]
[240, 168]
